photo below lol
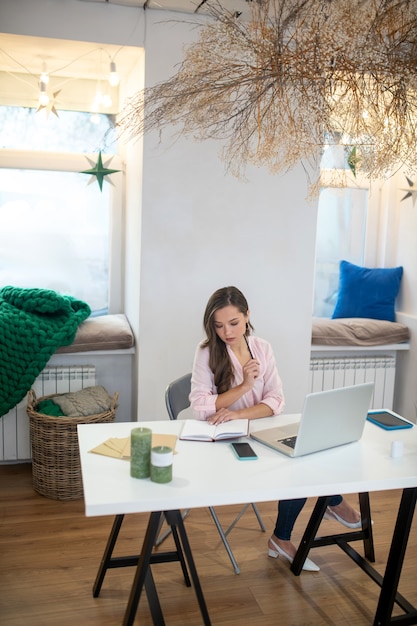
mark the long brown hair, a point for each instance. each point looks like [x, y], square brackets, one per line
[219, 360]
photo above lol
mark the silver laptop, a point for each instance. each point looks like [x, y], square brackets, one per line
[329, 419]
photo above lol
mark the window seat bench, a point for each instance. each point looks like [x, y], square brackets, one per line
[348, 351]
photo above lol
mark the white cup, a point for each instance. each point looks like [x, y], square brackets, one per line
[397, 449]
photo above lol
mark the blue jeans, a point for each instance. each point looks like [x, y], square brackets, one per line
[288, 511]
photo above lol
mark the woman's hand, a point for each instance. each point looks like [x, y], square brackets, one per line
[222, 415]
[250, 373]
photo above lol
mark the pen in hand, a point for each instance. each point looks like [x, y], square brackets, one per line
[250, 351]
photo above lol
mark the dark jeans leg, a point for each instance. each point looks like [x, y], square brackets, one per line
[288, 511]
[335, 500]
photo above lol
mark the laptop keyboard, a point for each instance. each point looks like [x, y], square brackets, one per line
[289, 441]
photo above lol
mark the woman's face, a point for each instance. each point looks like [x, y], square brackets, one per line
[230, 324]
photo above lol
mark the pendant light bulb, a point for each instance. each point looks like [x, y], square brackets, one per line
[95, 118]
[43, 96]
[44, 76]
[113, 76]
[107, 101]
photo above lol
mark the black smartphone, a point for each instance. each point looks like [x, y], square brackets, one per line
[244, 451]
[388, 419]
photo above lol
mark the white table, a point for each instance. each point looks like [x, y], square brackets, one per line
[208, 474]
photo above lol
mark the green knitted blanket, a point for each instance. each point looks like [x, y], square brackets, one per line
[34, 323]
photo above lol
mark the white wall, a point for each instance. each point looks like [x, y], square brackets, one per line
[203, 229]
[200, 229]
[403, 234]
[397, 245]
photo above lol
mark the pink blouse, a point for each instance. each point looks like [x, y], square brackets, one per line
[267, 388]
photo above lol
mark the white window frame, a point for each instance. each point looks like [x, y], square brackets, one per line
[374, 218]
[374, 253]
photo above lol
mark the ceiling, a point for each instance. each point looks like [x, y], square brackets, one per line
[185, 6]
[28, 54]
[24, 58]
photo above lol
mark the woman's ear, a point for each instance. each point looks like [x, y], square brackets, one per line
[247, 319]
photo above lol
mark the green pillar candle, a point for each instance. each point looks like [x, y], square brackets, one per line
[161, 464]
[140, 452]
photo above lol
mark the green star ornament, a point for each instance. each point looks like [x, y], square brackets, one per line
[353, 160]
[411, 191]
[99, 171]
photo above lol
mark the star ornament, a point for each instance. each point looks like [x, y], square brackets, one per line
[50, 107]
[411, 191]
[99, 171]
[353, 160]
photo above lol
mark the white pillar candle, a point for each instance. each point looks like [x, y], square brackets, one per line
[161, 464]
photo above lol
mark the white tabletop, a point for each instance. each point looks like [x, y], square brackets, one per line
[208, 474]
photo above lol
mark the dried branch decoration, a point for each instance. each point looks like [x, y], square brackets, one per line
[296, 76]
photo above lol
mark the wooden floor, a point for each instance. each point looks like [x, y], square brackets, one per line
[50, 552]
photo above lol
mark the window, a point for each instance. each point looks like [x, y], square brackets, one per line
[22, 128]
[341, 234]
[347, 226]
[54, 226]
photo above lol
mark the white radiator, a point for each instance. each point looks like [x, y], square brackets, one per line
[330, 373]
[14, 426]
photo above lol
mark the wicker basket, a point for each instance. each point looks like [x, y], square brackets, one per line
[56, 468]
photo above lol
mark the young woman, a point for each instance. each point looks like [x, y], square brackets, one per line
[235, 376]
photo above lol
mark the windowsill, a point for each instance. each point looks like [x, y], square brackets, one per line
[55, 358]
[333, 350]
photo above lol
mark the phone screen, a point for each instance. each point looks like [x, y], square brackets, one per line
[243, 451]
[388, 420]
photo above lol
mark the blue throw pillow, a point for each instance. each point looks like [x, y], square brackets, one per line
[365, 292]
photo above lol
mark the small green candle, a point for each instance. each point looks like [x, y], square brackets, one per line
[161, 464]
[140, 452]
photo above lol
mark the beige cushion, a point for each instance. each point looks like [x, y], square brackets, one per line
[88, 401]
[107, 332]
[357, 331]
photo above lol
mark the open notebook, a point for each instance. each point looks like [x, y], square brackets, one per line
[329, 419]
[200, 430]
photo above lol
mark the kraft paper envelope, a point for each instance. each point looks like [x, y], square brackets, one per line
[119, 448]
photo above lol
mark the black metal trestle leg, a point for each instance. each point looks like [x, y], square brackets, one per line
[389, 582]
[180, 554]
[310, 540]
[143, 574]
[309, 535]
[368, 540]
[178, 520]
[105, 561]
[395, 562]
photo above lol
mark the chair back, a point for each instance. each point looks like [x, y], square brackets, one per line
[177, 396]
